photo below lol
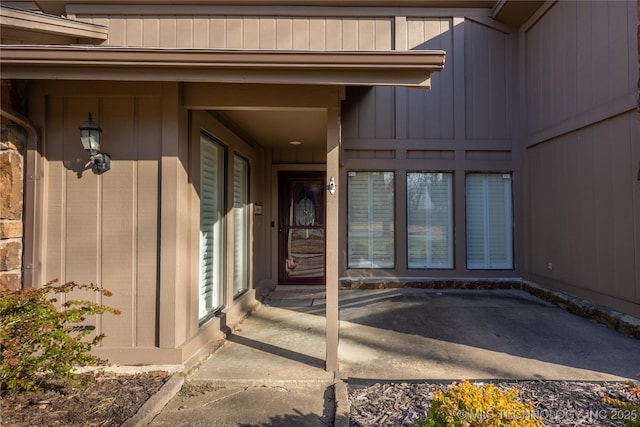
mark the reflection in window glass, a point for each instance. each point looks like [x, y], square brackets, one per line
[489, 221]
[212, 174]
[371, 220]
[240, 225]
[429, 220]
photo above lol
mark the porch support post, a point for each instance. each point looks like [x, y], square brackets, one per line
[332, 220]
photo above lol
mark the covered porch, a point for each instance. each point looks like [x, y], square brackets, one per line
[161, 102]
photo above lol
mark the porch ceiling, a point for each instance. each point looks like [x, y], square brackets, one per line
[280, 129]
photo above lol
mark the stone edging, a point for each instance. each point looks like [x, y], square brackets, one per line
[154, 405]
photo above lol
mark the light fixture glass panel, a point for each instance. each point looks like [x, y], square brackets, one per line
[90, 134]
[90, 140]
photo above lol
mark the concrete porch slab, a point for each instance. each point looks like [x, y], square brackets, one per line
[271, 370]
[456, 334]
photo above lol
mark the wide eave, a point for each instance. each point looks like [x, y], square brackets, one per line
[407, 68]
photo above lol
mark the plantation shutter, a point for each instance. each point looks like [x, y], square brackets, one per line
[371, 220]
[211, 229]
[489, 221]
[429, 220]
[240, 225]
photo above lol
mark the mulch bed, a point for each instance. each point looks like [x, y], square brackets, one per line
[557, 403]
[107, 400]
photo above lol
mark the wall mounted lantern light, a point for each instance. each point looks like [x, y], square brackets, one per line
[90, 135]
[332, 186]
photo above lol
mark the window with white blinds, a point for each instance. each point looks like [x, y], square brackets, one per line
[429, 220]
[371, 220]
[489, 221]
[212, 175]
[240, 225]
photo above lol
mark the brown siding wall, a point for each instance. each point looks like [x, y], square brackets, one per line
[579, 57]
[582, 152]
[104, 228]
[487, 62]
[431, 33]
[582, 209]
[210, 30]
[478, 98]
[135, 229]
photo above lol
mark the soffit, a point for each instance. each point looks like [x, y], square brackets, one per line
[515, 13]
[394, 68]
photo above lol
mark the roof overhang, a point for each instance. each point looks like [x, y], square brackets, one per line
[515, 12]
[23, 20]
[59, 7]
[376, 68]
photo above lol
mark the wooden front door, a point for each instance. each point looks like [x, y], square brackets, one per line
[301, 228]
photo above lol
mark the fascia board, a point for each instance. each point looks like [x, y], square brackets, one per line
[42, 23]
[406, 68]
[62, 7]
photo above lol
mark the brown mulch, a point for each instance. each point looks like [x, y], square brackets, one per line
[556, 403]
[107, 400]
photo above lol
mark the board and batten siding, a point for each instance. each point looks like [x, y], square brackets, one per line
[103, 229]
[579, 56]
[247, 32]
[430, 114]
[469, 100]
[582, 209]
[582, 151]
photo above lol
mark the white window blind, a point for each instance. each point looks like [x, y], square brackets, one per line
[211, 227]
[240, 225]
[371, 220]
[429, 220]
[489, 221]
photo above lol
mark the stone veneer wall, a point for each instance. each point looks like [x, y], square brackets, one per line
[12, 146]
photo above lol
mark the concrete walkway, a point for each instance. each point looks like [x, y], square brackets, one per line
[270, 372]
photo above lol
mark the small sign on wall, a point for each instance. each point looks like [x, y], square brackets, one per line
[257, 208]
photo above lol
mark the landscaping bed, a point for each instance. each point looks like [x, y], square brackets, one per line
[107, 400]
[556, 403]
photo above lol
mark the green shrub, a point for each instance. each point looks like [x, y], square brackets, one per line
[39, 341]
[463, 404]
